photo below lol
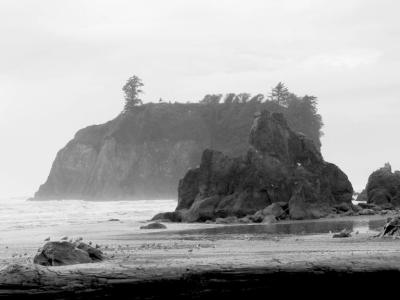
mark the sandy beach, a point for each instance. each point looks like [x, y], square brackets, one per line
[144, 259]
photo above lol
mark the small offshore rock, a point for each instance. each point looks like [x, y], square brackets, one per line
[155, 225]
[343, 234]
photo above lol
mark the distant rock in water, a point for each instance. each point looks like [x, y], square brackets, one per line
[142, 154]
[383, 187]
[362, 197]
[155, 225]
[280, 166]
[66, 253]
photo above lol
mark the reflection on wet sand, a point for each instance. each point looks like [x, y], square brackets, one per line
[309, 227]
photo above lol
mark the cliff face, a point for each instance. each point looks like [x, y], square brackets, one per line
[281, 167]
[118, 171]
[144, 153]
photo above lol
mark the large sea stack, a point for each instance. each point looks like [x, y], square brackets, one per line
[143, 153]
[280, 167]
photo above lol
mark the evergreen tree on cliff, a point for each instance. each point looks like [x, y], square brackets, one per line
[280, 94]
[229, 98]
[243, 97]
[211, 99]
[132, 90]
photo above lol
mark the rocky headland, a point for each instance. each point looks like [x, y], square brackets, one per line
[143, 153]
[282, 175]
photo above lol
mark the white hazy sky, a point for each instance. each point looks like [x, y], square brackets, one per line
[63, 63]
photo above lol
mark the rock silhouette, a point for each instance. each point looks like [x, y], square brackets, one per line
[155, 225]
[383, 187]
[280, 166]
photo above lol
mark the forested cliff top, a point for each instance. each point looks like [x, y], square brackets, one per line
[145, 150]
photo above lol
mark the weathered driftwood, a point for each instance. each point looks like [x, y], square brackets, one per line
[199, 281]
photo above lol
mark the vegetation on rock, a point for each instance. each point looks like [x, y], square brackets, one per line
[144, 151]
[132, 90]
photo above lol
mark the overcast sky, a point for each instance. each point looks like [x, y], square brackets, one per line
[63, 63]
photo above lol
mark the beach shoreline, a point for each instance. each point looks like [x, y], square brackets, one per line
[146, 259]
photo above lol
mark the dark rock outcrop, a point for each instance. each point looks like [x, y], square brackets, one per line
[155, 225]
[281, 166]
[383, 187]
[66, 253]
[173, 216]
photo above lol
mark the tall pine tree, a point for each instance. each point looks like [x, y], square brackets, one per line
[132, 90]
[280, 94]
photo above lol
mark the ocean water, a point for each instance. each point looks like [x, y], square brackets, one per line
[21, 219]
[24, 222]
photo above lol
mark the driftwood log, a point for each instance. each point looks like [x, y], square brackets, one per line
[201, 282]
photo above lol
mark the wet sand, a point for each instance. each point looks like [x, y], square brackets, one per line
[193, 260]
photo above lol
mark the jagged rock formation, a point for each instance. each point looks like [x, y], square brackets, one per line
[281, 166]
[144, 153]
[383, 187]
